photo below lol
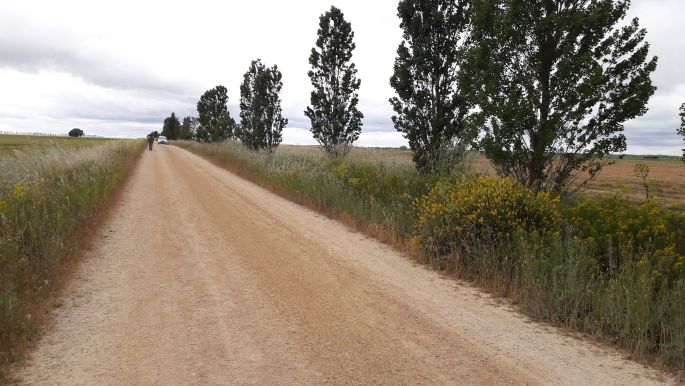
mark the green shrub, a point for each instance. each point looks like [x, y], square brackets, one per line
[561, 281]
[622, 230]
[472, 209]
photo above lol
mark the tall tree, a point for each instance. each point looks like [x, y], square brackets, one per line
[216, 123]
[681, 130]
[336, 121]
[431, 107]
[172, 127]
[557, 80]
[188, 128]
[261, 120]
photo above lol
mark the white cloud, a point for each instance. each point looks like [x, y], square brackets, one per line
[118, 68]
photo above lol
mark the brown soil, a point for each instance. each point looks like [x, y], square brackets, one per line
[201, 277]
[668, 175]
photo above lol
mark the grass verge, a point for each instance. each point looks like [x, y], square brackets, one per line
[46, 196]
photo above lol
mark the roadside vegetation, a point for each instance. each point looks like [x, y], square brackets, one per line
[48, 188]
[601, 264]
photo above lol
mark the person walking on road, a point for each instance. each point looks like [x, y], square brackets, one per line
[150, 140]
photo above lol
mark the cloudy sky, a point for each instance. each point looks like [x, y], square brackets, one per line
[118, 68]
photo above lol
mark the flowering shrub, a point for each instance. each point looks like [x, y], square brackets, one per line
[621, 229]
[469, 209]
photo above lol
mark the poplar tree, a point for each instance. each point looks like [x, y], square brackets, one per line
[188, 128]
[431, 108]
[336, 121]
[172, 127]
[557, 80]
[215, 122]
[681, 130]
[261, 119]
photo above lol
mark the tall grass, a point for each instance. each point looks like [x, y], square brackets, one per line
[45, 193]
[602, 265]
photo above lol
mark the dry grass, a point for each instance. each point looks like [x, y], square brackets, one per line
[9, 144]
[668, 173]
[49, 196]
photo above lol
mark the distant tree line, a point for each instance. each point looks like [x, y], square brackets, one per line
[541, 88]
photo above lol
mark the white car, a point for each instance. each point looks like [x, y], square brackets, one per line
[162, 139]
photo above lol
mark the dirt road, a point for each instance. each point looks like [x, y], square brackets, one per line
[200, 277]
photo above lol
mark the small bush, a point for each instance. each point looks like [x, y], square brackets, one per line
[622, 230]
[471, 209]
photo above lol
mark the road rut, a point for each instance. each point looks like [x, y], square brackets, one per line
[200, 277]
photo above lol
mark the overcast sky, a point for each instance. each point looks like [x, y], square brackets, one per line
[118, 68]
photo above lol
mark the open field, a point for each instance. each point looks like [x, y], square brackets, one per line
[667, 172]
[10, 143]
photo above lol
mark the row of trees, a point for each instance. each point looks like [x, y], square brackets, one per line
[542, 88]
[261, 120]
[336, 121]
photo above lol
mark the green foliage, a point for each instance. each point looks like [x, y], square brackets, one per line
[602, 265]
[431, 108]
[188, 128]
[560, 281]
[215, 122]
[642, 171]
[459, 212]
[261, 120]
[75, 132]
[619, 230]
[44, 194]
[336, 121]
[556, 81]
[172, 127]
